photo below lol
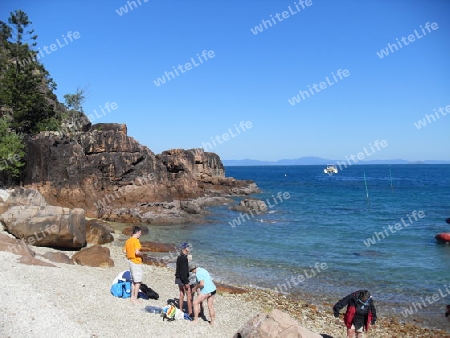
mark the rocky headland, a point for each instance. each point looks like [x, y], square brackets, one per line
[108, 174]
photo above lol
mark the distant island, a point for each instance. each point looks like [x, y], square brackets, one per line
[313, 160]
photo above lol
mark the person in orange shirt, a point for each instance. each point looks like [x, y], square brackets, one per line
[134, 256]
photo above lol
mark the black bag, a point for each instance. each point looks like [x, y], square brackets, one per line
[149, 292]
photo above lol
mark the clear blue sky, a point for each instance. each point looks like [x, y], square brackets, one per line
[252, 76]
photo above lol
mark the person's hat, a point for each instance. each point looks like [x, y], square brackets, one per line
[186, 246]
[193, 266]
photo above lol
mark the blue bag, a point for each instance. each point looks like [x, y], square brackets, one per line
[121, 289]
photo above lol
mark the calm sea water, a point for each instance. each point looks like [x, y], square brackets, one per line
[325, 222]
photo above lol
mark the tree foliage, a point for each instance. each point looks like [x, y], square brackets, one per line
[28, 104]
[11, 149]
[75, 101]
[26, 88]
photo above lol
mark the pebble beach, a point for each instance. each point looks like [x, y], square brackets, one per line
[75, 301]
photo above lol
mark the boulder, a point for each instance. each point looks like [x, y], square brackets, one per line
[31, 260]
[49, 226]
[191, 207]
[98, 232]
[15, 246]
[147, 246]
[251, 205]
[96, 256]
[58, 257]
[128, 231]
[156, 261]
[19, 247]
[273, 325]
[25, 197]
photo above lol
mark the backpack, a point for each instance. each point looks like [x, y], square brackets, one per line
[147, 292]
[121, 289]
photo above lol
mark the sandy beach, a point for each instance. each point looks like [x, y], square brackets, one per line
[75, 301]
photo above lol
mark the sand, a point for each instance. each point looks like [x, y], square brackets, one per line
[75, 301]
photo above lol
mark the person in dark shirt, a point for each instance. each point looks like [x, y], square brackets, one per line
[360, 312]
[182, 277]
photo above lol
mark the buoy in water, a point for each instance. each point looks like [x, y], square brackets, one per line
[443, 238]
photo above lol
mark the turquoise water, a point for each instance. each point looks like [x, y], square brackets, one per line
[321, 228]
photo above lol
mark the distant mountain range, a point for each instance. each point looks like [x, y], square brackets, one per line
[312, 160]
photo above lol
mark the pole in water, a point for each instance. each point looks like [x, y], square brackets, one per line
[367, 190]
[390, 176]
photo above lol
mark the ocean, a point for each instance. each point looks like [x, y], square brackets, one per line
[368, 226]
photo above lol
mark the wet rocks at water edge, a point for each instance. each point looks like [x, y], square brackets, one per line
[250, 205]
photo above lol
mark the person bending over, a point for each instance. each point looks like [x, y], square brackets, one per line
[360, 314]
[207, 291]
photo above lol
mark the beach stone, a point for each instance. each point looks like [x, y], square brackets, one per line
[96, 256]
[98, 232]
[58, 257]
[50, 226]
[272, 325]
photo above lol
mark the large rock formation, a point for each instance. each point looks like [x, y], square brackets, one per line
[113, 177]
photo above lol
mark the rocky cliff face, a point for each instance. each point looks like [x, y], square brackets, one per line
[112, 176]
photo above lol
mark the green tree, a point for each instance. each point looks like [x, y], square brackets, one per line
[75, 101]
[11, 150]
[26, 88]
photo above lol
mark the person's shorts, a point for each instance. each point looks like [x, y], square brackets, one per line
[179, 282]
[136, 272]
[360, 329]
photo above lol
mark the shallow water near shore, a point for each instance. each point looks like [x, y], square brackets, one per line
[314, 239]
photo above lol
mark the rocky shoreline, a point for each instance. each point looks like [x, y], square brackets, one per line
[98, 314]
[317, 315]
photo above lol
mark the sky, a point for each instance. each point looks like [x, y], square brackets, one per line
[257, 79]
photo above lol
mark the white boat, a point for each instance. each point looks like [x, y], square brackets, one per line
[330, 170]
